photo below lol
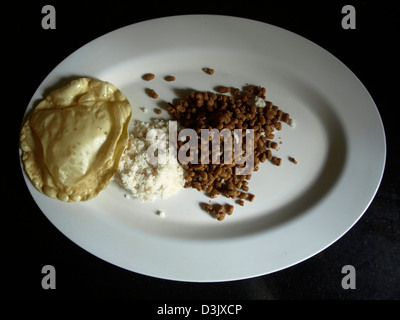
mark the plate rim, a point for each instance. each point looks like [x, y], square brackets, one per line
[219, 277]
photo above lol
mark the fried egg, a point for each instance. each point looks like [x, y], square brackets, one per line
[73, 140]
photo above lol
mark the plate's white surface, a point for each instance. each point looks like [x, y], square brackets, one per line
[299, 210]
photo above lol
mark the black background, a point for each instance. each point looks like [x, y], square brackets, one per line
[29, 241]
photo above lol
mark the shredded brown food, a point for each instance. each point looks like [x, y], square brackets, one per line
[234, 110]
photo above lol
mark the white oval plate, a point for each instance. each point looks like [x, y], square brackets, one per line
[299, 210]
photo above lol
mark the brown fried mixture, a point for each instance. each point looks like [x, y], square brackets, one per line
[218, 210]
[234, 110]
[148, 76]
[209, 71]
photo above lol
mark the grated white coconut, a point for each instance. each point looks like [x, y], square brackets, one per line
[142, 179]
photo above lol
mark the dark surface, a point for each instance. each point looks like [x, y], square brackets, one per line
[372, 246]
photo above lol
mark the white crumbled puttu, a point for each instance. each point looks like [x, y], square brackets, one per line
[142, 179]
